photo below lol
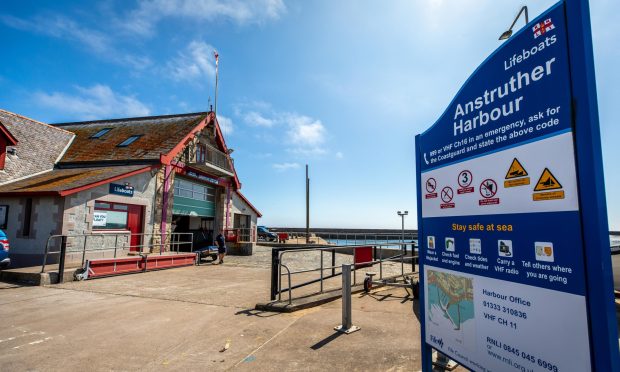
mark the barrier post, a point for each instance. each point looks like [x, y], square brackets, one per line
[274, 273]
[347, 322]
[61, 261]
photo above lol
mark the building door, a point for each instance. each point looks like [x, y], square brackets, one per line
[241, 223]
[135, 221]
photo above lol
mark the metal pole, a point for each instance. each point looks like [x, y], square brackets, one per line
[61, 261]
[402, 247]
[307, 207]
[84, 250]
[347, 318]
[321, 271]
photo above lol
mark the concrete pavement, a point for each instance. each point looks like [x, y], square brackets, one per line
[181, 319]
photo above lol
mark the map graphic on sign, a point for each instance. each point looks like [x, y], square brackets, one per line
[450, 297]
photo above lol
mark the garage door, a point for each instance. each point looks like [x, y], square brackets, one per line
[193, 198]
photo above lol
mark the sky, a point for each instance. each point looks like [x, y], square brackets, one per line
[343, 86]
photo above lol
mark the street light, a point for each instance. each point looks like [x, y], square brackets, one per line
[508, 33]
[402, 216]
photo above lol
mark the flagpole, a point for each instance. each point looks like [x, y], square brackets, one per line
[217, 57]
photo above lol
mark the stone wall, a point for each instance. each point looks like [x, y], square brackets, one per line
[45, 220]
[79, 208]
[159, 200]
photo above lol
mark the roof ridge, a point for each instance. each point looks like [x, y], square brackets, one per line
[36, 121]
[128, 119]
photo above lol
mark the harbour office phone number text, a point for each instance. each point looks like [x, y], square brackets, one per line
[529, 357]
[504, 309]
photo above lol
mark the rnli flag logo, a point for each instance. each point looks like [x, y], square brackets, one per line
[542, 27]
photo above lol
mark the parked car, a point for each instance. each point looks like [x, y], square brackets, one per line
[265, 234]
[5, 261]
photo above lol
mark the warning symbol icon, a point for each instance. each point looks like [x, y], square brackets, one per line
[547, 181]
[516, 170]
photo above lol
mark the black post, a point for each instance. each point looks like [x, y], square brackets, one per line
[274, 273]
[333, 262]
[413, 259]
[307, 206]
[61, 261]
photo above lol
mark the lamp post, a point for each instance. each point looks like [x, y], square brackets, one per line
[508, 33]
[402, 217]
[403, 250]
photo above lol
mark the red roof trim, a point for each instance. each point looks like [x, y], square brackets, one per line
[219, 138]
[12, 141]
[167, 158]
[250, 204]
[103, 182]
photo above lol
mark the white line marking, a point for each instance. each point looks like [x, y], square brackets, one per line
[33, 342]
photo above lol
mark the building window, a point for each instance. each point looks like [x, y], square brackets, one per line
[129, 141]
[101, 133]
[27, 217]
[4, 216]
[194, 191]
[200, 153]
[110, 216]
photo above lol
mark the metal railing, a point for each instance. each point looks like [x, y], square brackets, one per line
[110, 245]
[344, 238]
[216, 157]
[383, 251]
[240, 235]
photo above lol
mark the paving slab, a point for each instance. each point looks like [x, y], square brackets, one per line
[182, 319]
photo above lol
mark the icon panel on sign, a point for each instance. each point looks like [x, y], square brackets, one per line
[504, 248]
[450, 245]
[475, 246]
[544, 251]
[430, 242]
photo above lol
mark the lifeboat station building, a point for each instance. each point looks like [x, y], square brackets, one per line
[149, 178]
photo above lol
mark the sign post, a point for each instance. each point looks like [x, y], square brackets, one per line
[507, 282]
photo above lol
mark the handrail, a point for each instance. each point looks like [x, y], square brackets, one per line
[154, 241]
[403, 256]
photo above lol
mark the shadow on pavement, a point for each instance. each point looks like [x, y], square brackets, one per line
[325, 341]
[257, 313]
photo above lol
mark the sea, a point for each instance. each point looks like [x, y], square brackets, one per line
[614, 241]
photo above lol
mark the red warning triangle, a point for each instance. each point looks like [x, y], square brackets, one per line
[547, 181]
[516, 170]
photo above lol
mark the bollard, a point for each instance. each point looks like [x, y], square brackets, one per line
[61, 260]
[347, 322]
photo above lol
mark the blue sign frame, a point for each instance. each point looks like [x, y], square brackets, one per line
[603, 333]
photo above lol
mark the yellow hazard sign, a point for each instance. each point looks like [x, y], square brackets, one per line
[547, 181]
[516, 170]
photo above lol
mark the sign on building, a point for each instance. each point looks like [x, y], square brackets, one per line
[501, 218]
[100, 218]
[124, 190]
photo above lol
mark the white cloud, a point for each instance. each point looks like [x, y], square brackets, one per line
[303, 135]
[64, 28]
[143, 20]
[256, 119]
[281, 167]
[194, 63]
[305, 131]
[226, 124]
[339, 155]
[95, 102]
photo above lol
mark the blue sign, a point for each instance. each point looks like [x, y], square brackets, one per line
[124, 190]
[501, 211]
[203, 177]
